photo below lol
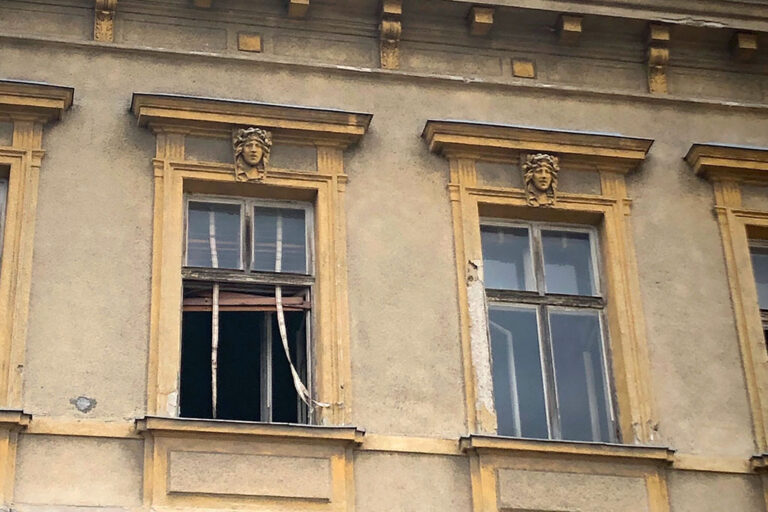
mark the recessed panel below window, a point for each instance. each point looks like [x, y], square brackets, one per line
[518, 384]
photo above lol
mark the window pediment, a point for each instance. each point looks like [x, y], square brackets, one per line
[739, 163]
[210, 116]
[34, 101]
[585, 150]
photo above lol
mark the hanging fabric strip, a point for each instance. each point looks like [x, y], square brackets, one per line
[301, 389]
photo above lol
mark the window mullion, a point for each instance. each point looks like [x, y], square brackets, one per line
[266, 370]
[548, 369]
[537, 253]
[214, 348]
[247, 234]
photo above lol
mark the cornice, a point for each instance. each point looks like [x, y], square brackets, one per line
[733, 14]
[719, 161]
[189, 114]
[163, 426]
[578, 150]
[40, 101]
[550, 448]
[14, 419]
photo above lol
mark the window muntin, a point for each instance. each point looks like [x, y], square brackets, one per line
[233, 364]
[3, 206]
[548, 342]
[758, 251]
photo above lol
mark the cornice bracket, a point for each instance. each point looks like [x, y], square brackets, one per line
[202, 4]
[390, 30]
[657, 54]
[569, 29]
[480, 20]
[298, 8]
[104, 20]
[744, 46]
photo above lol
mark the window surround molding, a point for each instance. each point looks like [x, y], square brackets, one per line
[28, 106]
[465, 143]
[171, 118]
[728, 168]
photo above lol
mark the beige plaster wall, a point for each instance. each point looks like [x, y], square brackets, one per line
[88, 335]
[88, 329]
[411, 483]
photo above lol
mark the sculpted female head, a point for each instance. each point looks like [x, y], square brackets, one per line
[252, 147]
[540, 178]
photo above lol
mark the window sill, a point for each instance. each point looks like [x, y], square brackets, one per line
[174, 427]
[604, 452]
[13, 419]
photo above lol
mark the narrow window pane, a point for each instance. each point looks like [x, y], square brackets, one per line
[507, 258]
[213, 238]
[517, 377]
[279, 240]
[239, 390]
[195, 392]
[579, 375]
[285, 400]
[3, 201]
[568, 262]
[760, 267]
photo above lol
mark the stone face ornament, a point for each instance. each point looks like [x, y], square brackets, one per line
[252, 147]
[540, 178]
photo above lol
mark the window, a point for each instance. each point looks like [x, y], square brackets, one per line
[3, 201]
[758, 250]
[545, 318]
[248, 280]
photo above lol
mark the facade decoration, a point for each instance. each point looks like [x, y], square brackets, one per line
[252, 147]
[104, 21]
[390, 30]
[658, 58]
[540, 178]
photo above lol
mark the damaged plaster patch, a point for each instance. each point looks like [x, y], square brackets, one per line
[83, 403]
[479, 340]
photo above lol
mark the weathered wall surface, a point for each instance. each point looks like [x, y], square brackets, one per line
[89, 318]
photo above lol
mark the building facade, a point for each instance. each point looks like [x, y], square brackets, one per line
[369, 255]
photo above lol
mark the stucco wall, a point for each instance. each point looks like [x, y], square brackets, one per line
[89, 309]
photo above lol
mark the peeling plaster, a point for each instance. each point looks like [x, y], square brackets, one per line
[479, 341]
[83, 404]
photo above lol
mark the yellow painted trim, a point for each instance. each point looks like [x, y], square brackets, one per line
[728, 168]
[171, 118]
[63, 426]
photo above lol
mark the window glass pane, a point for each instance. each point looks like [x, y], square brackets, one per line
[3, 201]
[285, 400]
[195, 382]
[568, 262]
[213, 237]
[579, 375]
[239, 365]
[507, 258]
[518, 388]
[760, 267]
[279, 240]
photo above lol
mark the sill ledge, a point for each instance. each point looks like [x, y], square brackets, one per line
[172, 427]
[14, 419]
[551, 448]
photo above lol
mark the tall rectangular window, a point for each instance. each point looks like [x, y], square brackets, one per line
[548, 341]
[758, 250]
[248, 286]
[3, 204]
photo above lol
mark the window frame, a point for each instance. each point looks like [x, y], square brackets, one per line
[545, 303]
[3, 207]
[224, 275]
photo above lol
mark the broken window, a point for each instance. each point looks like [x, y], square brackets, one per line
[247, 308]
[758, 250]
[3, 201]
[546, 326]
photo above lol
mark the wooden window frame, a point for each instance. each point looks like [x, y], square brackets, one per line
[224, 276]
[729, 168]
[465, 143]
[29, 106]
[173, 117]
[544, 303]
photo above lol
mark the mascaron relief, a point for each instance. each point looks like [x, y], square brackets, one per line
[540, 178]
[252, 147]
